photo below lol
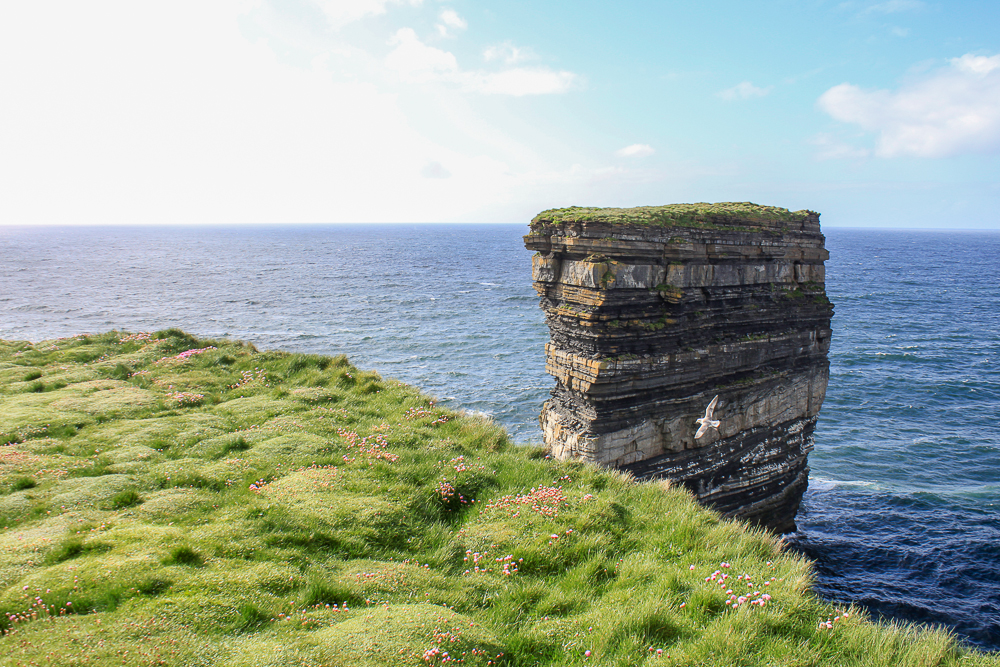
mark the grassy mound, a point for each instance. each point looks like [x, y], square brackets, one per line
[167, 500]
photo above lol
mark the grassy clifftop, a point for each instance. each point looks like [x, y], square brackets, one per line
[167, 500]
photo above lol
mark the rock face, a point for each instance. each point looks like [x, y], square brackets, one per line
[653, 311]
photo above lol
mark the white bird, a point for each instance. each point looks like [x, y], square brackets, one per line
[707, 422]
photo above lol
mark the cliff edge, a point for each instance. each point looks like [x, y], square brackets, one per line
[653, 311]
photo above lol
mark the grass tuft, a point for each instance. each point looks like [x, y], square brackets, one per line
[23, 483]
[74, 547]
[123, 499]
[184, 555]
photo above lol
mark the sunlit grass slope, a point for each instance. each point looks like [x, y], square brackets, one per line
[166, 500]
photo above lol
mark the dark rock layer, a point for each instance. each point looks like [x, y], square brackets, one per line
[654, 311]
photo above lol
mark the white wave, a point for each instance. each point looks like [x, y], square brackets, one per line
[823, 484]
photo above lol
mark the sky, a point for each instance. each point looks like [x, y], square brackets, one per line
[876, 113]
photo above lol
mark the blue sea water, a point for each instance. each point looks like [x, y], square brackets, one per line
[903, 510]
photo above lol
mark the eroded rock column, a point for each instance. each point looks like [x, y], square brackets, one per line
[654, 311]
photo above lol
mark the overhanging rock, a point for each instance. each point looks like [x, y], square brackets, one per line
[653, 311]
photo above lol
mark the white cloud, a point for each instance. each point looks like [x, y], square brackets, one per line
[743, 91]
[435, 170]
[976, 64]
[635, 150]
[507, 52]
[342, 12]
[450, 20]
[900, 32]
[951, 111]
[417, 62]
[521, 81]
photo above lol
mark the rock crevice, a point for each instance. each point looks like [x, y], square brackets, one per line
[654, 311]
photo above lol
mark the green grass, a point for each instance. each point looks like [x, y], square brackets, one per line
[722, 215]
[188, 502]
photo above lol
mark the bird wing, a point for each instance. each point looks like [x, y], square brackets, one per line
[701, 431]
[711, 407]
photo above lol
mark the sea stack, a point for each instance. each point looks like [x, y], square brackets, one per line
[653, 312]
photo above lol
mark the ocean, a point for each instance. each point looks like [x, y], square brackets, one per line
[902, 515]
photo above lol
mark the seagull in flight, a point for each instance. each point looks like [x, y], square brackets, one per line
[707, 422]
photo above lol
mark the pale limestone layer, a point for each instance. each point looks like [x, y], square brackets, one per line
[614, 275]
[791, 398]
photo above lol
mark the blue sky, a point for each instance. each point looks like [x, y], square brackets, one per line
[875, 113]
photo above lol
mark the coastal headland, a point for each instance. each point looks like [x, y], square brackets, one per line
[171, 500]
[656, 312]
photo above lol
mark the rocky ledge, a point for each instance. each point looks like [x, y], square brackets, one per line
[654, 311]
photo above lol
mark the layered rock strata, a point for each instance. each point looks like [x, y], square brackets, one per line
[653, 311]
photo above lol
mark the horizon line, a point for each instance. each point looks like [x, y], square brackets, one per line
[113, 225]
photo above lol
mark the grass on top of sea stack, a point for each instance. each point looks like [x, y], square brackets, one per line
[167, 500]
[719, 215]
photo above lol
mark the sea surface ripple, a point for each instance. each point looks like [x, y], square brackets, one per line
[903, 511]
